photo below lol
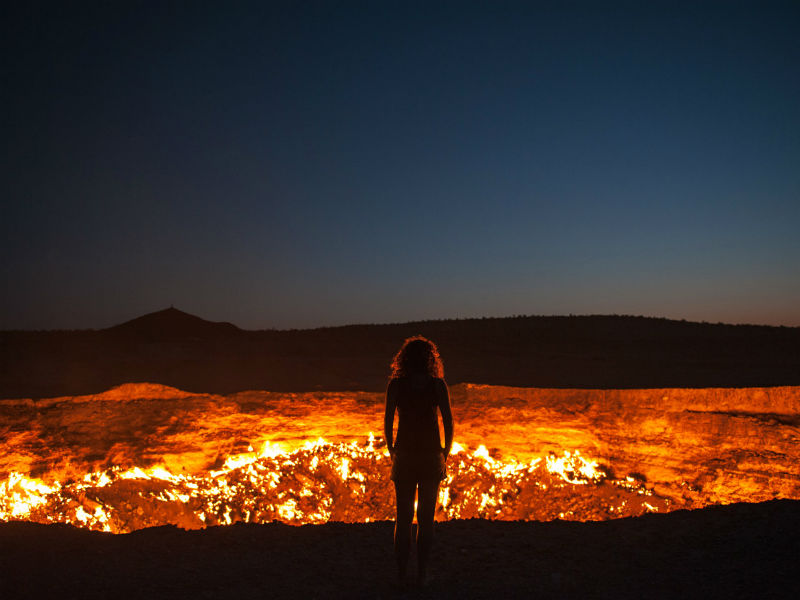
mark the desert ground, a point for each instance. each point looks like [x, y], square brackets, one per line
[734, 551]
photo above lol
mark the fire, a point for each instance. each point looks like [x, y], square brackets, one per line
[324, 481]
[143, 455]
[22, 495]
[573, 468]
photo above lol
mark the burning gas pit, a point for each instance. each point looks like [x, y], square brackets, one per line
[144, 455]
[321, 482]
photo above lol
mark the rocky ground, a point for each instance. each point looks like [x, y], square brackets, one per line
[734, 551]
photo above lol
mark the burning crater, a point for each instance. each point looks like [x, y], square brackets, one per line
[142, 455]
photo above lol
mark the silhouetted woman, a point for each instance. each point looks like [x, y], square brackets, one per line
[416, 390]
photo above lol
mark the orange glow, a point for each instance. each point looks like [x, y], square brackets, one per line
[144, 455]
[317, 483]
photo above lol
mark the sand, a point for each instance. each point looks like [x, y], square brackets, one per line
[735, 551]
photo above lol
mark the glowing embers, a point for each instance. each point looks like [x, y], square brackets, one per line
[321, 482]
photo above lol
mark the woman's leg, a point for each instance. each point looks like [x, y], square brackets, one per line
[426, 507]
[404, 491]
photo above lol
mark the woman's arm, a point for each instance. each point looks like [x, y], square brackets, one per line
[443, 397]
[388, 415]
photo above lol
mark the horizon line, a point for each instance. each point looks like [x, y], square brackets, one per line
[414, 322]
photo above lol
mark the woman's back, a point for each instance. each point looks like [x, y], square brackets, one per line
[418, 426]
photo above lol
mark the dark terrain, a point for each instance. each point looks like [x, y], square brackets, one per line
[735, 551]
[612, 352]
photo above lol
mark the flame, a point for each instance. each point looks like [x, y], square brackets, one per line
[573, 468]
[323, 481]
[22, 495]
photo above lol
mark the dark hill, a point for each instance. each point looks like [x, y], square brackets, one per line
[177, 349]
[173, 324]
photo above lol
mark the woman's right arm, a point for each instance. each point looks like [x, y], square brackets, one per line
[388, 415]
[443, 396]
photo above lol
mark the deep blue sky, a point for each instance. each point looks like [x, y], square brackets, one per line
[303, 164]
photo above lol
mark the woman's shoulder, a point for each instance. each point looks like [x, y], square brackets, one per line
[397, 383]
[416, 383]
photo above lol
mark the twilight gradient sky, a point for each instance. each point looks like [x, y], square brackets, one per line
[300, 164]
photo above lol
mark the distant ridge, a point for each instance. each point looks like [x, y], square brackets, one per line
[172, 323]
[173, 348]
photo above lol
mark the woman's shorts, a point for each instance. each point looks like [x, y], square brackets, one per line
[418, 466]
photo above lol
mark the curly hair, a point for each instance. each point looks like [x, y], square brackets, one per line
[418, 354]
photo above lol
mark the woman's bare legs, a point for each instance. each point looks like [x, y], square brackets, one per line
[426, 508]
[404, 495]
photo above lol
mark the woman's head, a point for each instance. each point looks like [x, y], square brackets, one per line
[417, 355]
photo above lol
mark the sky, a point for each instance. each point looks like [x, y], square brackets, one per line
[303, 164]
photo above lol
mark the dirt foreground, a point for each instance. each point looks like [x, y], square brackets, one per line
[734, 551]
